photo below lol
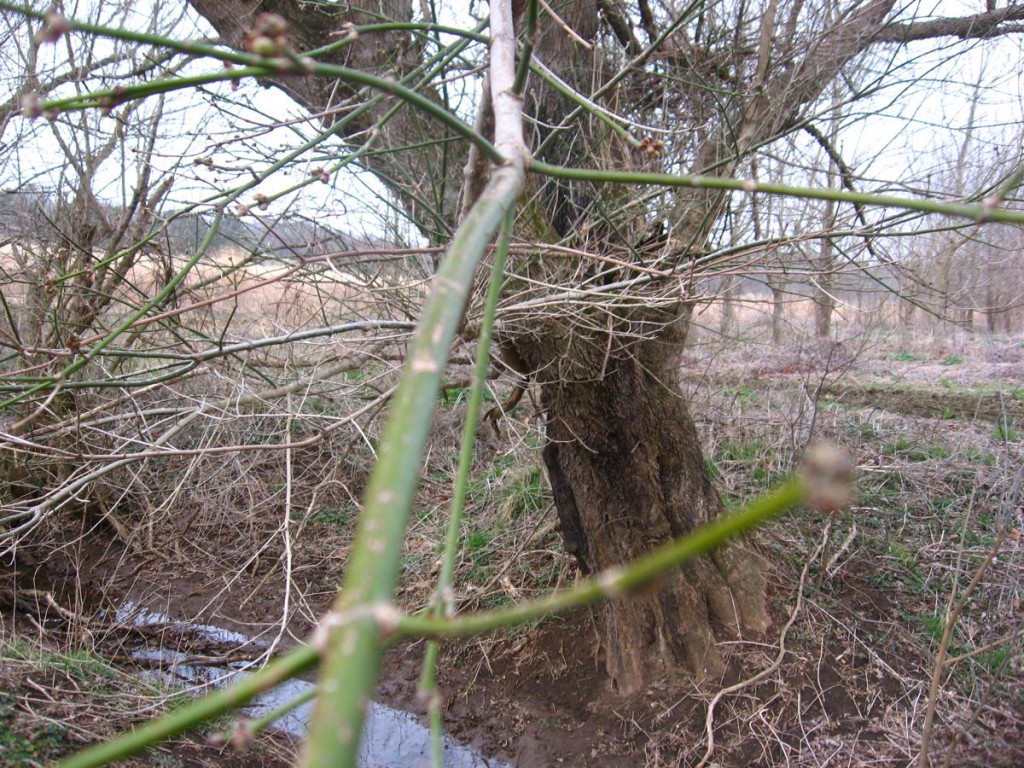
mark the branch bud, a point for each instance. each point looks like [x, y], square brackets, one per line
[267, 37]
[54, 28]
[829, 473]
[31, 106]
[261, 45]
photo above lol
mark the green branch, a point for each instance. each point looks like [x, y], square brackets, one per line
[444, 601]
[352, 637]
[291, 63]
[979, 213]
[616, 582]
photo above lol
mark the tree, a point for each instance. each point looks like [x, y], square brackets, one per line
[623, 455]
[74, 229]
[99, 306]
[950, 268]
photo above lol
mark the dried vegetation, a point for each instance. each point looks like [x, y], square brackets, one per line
[246, 525]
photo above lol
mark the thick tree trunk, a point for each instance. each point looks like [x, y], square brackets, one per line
[627, 474]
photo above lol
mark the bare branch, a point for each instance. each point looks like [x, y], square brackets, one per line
[978, 26]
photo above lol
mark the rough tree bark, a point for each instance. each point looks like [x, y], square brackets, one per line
[626, 469]
[623, 454]
[778, 289]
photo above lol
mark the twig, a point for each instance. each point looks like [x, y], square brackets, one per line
[568, 30]
[709, 720]
[953, 611]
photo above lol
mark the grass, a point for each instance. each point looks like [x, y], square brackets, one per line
[902, 541]
[995, 661]
[25, 738]
[24, 742]
[975, 455]
[336, 516]
[905, 448]
[477, 541]
[452, 397]
[54, 702]
[861, 430]
[923, 523]
[908, 568]
[743, 395]
[903, 356]
[86, 668]
[513, 485]
[1006, 433]
[524, 492]
[745, 451]
[934, 626]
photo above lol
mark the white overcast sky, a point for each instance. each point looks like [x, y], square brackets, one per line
[915, 132]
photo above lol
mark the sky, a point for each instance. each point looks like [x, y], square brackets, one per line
[910, 141]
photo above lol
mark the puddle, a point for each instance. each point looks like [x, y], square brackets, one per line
[391, 738]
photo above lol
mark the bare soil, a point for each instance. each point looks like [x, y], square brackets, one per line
[994, 407]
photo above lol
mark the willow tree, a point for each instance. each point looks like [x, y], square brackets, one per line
[601, 279]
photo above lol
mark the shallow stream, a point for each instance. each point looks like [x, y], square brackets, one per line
[391, 738]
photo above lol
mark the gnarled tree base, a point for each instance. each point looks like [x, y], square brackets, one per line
[628, 475]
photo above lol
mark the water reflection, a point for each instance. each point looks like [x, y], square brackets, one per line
[391, 738]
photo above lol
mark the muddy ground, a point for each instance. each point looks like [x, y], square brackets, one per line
[859, 599]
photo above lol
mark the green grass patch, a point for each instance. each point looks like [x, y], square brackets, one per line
[25, 743]
[26, 739]
[1006, 433]
[478, 548]
[323, 406]
[743, 395]
[933, 625]
[452, 397]
[76, 679]
[478, 540]
[336, 517]
[863, 430]
[978, 456]
[745, 451]
[711, 468]
[993, 661]
[906, 449]
[523, 492]
[79, 664]
[514, 485]
[903, 356]
[905, 558]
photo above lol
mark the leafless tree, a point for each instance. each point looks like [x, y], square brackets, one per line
[115, 353]
[605, 276]
[697, 87]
